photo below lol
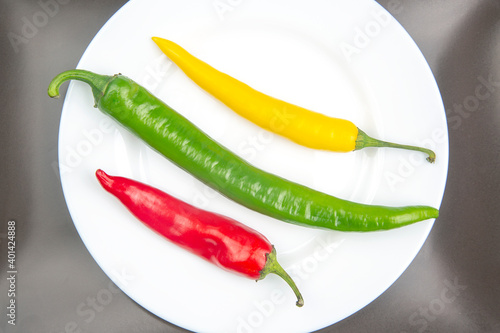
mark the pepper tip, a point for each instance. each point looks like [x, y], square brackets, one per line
[104, 179]
[53, 91]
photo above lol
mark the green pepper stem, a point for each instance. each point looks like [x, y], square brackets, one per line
[364, 141]
[272, 266]
[97, 82]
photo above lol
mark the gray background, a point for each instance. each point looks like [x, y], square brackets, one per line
[451, 286]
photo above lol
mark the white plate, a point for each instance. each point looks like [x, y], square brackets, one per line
[348, 59]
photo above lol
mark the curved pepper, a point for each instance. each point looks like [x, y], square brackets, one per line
[308, 128]
[188, 147]
[218, 239]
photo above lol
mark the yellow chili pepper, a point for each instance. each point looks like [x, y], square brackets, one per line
[303, 126]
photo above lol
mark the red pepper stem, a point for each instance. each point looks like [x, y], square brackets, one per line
[364, 141]
[97, 82]
[272, 266]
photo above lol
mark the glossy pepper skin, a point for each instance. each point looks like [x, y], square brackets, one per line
[218, 239]
[305, 127]
[187, 146]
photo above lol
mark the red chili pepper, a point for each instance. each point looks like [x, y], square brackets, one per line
[221, 240]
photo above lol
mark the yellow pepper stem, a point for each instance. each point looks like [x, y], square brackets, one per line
[364, 141]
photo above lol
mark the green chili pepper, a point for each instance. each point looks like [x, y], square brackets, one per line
[187, 146]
